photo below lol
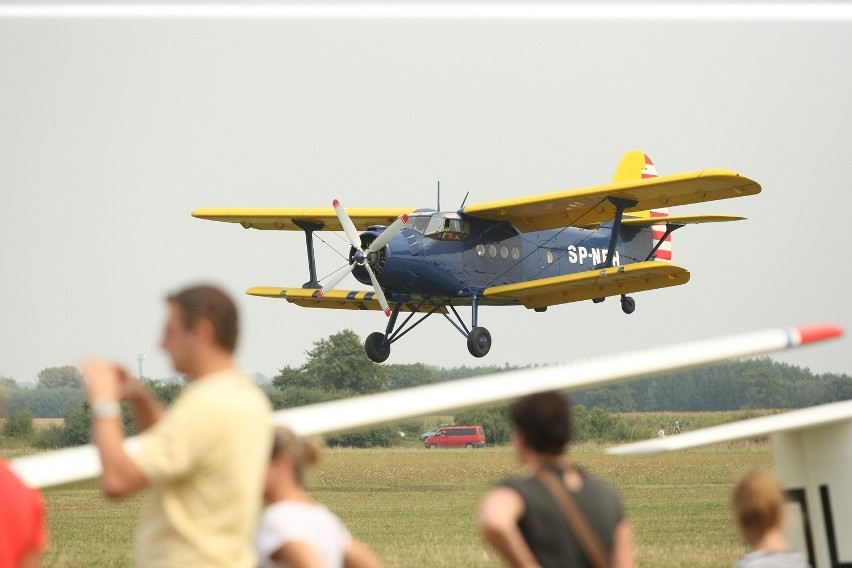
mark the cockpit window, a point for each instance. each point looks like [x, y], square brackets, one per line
[447, 227]
[419, 223]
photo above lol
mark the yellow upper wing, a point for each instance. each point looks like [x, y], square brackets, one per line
[591, 284]
[282, 219]
[589, 206]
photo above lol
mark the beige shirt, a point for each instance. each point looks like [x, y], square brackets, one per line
[205, 461]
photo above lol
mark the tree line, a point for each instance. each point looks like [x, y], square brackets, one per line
[336, 367]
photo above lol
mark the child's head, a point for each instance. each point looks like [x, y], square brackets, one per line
[758, 505]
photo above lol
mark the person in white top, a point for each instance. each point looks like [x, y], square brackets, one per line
[759, 509]
[295, 531]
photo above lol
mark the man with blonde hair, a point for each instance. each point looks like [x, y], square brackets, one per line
[205, 457]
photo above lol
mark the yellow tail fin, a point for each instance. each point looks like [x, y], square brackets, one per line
[636, 165]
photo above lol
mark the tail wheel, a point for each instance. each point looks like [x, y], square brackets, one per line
[378, 350]
[479, 342]
[628, 304]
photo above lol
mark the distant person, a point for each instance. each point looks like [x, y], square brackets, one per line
[759, 510]
[559, 515]
[296, 531]
[23, 536]
[205, 457]
[677, 427]
[662, 432]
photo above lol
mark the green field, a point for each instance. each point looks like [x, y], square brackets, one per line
[417, 507]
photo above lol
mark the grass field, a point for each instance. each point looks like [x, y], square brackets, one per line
[417, 507]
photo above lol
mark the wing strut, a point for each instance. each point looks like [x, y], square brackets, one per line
[670, 228]
[620, 205]
[309, 229]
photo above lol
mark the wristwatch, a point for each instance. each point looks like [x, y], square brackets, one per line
[106, 409]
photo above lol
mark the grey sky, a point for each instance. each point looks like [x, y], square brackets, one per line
[112, 132]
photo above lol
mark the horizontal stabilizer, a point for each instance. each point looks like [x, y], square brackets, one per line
[679, 220]
[591, 284]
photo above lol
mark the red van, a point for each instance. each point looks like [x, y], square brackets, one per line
[457, 437]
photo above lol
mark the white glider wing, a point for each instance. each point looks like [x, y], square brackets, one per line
[76, 464]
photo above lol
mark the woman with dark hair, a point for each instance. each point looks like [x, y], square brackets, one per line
[559, 515]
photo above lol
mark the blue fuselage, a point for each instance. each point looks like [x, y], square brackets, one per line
[448, 255]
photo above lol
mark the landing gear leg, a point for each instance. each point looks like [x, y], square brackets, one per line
[479, 338]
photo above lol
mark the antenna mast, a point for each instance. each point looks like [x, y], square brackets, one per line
[439, 195]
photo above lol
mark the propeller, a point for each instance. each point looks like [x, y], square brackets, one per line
[361, 255]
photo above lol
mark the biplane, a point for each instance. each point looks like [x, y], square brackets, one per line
[536, 251]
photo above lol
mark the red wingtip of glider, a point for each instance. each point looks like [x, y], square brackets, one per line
[388, 312]
[404, 218]
[335, 203]
[819, 332]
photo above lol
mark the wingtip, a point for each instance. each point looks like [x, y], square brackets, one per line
[335, 203]
[812, 333]
[388, 312]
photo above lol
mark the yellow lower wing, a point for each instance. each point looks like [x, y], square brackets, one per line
[332, 299]
[591, 284]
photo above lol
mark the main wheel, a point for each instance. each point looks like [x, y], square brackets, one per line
[479, 342]
[628, 304]
[377, 349]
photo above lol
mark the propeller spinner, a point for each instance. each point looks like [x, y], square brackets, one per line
[361, 255]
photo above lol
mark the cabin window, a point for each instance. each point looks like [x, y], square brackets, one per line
[516, 253]
[492, 251]
[504, 252]
[445, 228]
[480, 250]
[418, 223]
[548, 256]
